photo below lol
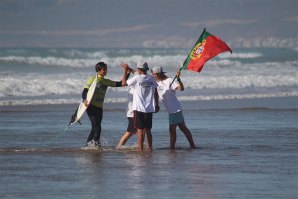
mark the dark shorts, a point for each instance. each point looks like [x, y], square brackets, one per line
[130, 127]
[142, 120]
[176, 118]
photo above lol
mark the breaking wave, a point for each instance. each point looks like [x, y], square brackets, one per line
[57, 76]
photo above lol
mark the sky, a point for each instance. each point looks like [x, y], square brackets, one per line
[146, 23]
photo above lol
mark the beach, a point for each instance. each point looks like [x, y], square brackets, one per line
[238, 64]
[242, 111]
[246, 149]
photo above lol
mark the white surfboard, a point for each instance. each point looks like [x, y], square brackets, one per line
[82, 108]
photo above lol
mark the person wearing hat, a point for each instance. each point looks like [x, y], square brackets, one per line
[167, 93]
[145, 101]
[95, 106]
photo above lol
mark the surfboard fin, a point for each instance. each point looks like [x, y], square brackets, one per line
[73, 118]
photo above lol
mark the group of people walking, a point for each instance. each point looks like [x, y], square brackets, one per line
[144, 92]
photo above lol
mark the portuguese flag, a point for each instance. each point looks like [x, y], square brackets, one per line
[206, 47]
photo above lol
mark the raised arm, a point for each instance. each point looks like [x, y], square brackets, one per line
[125, 76]
[180, 87]
[126, 73]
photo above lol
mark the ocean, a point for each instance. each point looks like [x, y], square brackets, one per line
[242, 111]
[57, 76]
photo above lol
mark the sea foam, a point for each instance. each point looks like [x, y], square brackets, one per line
[47, 76]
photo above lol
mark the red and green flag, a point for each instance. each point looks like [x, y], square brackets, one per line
[207, 47]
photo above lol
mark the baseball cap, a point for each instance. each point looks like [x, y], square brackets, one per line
[157, 69]
[142, 65]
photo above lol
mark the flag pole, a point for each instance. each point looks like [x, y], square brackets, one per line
[184, 61]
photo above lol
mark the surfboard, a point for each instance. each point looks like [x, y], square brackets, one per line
[82, 108]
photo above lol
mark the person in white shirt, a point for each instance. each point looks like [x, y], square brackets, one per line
[131, 130]
[167, 93]
[145, 102]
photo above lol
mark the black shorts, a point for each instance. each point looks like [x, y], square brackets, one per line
[130, 127]
[142, 120]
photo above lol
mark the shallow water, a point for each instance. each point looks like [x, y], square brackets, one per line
[246, 148]
[242, 153]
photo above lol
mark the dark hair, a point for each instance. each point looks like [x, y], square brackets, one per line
[100, 65]
[161, 76]
[143, 69]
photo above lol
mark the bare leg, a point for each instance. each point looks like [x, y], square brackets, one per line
[172, 136]
[140, 139]
[124, 138]
[144, 133]
[187, 134]
[149, 138]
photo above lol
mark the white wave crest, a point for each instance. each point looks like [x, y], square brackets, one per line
[34, 85]
[49, 61]
[78, 53]
[270, 77]
[123, 100]
[242, 81]
[251, 55]
[81, 63]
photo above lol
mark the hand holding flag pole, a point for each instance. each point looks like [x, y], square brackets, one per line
[176, 75]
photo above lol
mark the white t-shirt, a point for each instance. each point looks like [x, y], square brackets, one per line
[143, 96]
[168, 95]
[129, 112]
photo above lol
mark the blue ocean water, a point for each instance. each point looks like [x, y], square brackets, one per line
[56, 76]
[242, 110]
[242, 153]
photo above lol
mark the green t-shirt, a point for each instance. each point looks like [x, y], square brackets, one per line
[100, 90]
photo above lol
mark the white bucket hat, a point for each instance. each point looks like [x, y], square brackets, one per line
[142, 65]
[157, 69]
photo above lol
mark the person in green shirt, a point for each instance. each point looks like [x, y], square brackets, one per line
[95, 106]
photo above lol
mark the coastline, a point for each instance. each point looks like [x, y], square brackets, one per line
[252, 103]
